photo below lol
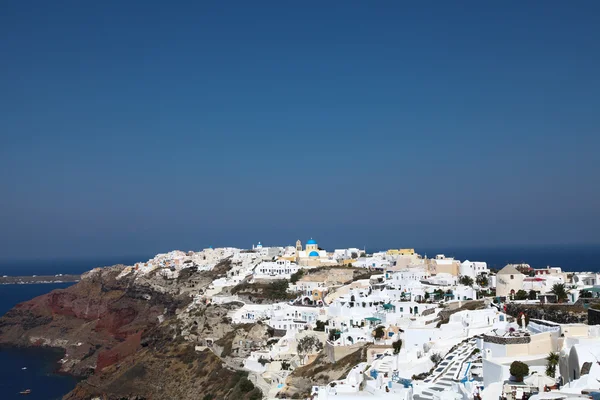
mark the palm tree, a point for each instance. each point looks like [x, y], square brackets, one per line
[552, 359]
[466, 280]
[585, 294]
[560, 291]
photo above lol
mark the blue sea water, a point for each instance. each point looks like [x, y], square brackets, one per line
[41, 364]
[568, 257]
[66, 266]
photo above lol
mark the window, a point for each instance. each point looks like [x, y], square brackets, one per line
[512, 277]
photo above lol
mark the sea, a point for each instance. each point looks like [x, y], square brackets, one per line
[40, 374]
[41, 377]
[569, 257]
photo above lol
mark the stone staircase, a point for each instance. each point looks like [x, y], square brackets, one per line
[447, 370]
[385, 364]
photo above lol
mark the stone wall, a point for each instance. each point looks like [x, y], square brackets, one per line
[559, 313]
[429, 311]
[507, 340]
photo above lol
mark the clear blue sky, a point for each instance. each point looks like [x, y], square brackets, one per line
[139, 127]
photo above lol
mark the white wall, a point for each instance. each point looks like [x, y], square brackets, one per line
[494, 372]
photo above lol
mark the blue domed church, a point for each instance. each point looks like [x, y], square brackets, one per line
[311, 255]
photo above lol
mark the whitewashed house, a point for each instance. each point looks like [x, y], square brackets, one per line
[280, 269]
[473, 269]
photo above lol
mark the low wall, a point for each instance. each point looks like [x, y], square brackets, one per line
[559, 313]
[335, 353]
[507, 340]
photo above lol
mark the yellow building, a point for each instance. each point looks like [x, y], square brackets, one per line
[401, 252]
[319, 294]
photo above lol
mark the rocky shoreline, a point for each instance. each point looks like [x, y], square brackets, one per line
[35, 279]
[131, 337]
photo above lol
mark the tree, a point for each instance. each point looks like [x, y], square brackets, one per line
[320, 326]
[519, 370]
[277, 290]
[585, 294]
[439, 293]
[309, 344]
[532, 295]
[466, 280]
[521, 295]
[354, 255]
[246, 385]
[435, 358]
[379, 332]
[559, 290]
[397, 345]
[296, 276]
[263, 361]
[482, 280]
[362, 254]
[552, 360]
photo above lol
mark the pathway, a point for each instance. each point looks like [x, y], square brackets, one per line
[447, 370]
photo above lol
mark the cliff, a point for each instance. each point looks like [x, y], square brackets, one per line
[129, 336]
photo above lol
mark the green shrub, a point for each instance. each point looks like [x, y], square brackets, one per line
[255, 394]
[246, 385]
[521, 295]
[297, 275]
[435, 358]
[320, 326]
[519, 370]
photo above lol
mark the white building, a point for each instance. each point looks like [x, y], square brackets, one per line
[586, 279]
[371, 263]
[280, 269]
[401, 278]
[346, 254]
[473, 269]
[295, 318]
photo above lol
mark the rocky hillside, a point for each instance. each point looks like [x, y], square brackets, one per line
[320, 372]
[132, 336]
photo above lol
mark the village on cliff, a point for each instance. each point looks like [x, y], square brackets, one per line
[429, 328]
